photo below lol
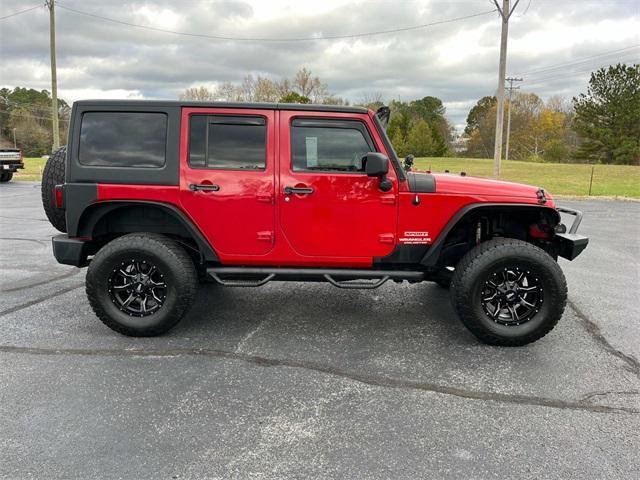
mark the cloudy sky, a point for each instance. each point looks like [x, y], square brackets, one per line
[553, 44]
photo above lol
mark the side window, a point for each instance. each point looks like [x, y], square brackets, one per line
[227, 142]
[123, 139]
[332, 146]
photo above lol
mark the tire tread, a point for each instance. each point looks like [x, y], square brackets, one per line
[52, 175]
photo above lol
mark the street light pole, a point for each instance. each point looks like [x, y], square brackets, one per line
[54, 80]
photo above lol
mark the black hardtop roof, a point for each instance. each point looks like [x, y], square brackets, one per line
[255, 106]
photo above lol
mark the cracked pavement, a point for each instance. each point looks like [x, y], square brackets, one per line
[297, 380]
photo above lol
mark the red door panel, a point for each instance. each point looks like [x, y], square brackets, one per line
[234, 208]
[333, 214]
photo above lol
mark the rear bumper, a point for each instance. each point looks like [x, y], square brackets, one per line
[70, 251]
[571, 244]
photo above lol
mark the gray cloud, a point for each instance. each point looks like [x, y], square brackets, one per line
[456, 62]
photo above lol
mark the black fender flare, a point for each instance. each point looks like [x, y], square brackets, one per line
[430, 258]
[96, 211]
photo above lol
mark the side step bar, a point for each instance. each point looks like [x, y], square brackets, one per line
[338, 277]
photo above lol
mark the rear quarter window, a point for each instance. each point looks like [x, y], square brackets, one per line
[123, 139]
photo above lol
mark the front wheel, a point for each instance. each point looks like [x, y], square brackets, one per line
[6, 176]
[508, 292]
[141, 285]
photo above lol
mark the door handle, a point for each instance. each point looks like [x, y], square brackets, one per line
[206, 187]
[298, 190]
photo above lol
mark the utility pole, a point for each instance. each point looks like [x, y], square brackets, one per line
[511, 88]
[54, 77]
[15, 144]
[505, 12]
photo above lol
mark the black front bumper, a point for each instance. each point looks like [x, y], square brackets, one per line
[12, 167]
[571, 244]
[70, 251]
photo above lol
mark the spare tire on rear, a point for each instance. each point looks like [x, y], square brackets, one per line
[53, 175]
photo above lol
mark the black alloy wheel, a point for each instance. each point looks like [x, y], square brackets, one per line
[138, 288]
[512, 296]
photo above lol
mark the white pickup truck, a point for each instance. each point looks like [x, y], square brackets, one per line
[10, 162]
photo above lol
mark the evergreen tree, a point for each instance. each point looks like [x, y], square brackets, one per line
[608, 115]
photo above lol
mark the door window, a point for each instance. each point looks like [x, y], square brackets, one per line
[227, 142]
[329, 145]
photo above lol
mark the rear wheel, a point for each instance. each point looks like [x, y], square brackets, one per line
[52, 175]
[141, 285]
[508, 292]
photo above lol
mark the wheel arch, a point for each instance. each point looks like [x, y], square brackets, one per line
[520, 214]
[108, 218]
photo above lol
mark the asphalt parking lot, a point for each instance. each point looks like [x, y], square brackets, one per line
[308, 381]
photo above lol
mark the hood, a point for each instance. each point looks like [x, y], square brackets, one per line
[466, 185]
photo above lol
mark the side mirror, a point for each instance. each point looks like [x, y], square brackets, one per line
[408, 163]
[376, 164]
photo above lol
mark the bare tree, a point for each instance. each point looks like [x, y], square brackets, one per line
[248, 88]
[372, 100]
[309, 86]
[265, 90]
[200, 94]
[229, 92]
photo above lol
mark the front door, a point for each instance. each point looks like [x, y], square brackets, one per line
[328, 206]
[227, 177]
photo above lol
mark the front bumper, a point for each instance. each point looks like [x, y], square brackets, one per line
[70, 251]
[12, 167]
[571, 244]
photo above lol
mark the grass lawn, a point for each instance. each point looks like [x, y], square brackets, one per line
[557, 178]
[32, 169]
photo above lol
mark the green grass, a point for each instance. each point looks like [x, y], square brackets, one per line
[32, 169]
[557, 178]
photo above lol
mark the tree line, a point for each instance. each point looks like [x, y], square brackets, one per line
[599, 126]
[304, 87]
[26, 113]
[418, 127]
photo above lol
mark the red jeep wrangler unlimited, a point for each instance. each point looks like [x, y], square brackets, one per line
[155, 196]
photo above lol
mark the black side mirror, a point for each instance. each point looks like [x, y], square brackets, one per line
[408, 163]
[376, 164]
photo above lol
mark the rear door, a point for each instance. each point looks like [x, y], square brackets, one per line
[227, 177]
[328, 206]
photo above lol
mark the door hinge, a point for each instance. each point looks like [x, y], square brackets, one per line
[265, 236]
[387, 238]
[388, 199]
[265, 197]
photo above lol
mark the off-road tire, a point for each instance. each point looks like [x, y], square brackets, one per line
[6, 176]
[52, 175]
[169, 257]
[474, 270]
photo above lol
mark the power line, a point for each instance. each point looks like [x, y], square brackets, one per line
[20, 12]
[578, 61]
[275, 39]
[569, 74]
